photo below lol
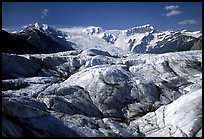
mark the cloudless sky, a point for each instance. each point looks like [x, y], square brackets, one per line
[108, 15]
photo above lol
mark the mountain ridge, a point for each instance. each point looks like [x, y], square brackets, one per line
[138, 39]
[141, 39]
[36, 38]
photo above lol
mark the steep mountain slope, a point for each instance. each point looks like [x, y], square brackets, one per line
[41, 38]
[54, 34]
[16, 45]
[92, 93]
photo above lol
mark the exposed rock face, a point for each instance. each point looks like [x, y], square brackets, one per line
[94, 94]
[197, 45]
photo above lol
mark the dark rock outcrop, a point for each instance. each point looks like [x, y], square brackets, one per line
[16, 45]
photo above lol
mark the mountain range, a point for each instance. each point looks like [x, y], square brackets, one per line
[141, 39]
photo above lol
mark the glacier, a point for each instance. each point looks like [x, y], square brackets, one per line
[92, 93]
[140, 39]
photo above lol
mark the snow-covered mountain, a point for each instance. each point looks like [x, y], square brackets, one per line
[55, 34]
[38, 37]
[141, 39]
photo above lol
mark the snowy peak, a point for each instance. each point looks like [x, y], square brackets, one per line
[45, 38]
[195, 34]
[38, 26]
[93, 30]
[140, 29]
[45, 29]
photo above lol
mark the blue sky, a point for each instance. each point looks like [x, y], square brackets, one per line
[108, 15]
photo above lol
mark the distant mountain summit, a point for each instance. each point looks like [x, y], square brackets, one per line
[42, 38]
[140, 29]
[38, 26]
[54, 34]
[45, 29]
[93, 30]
